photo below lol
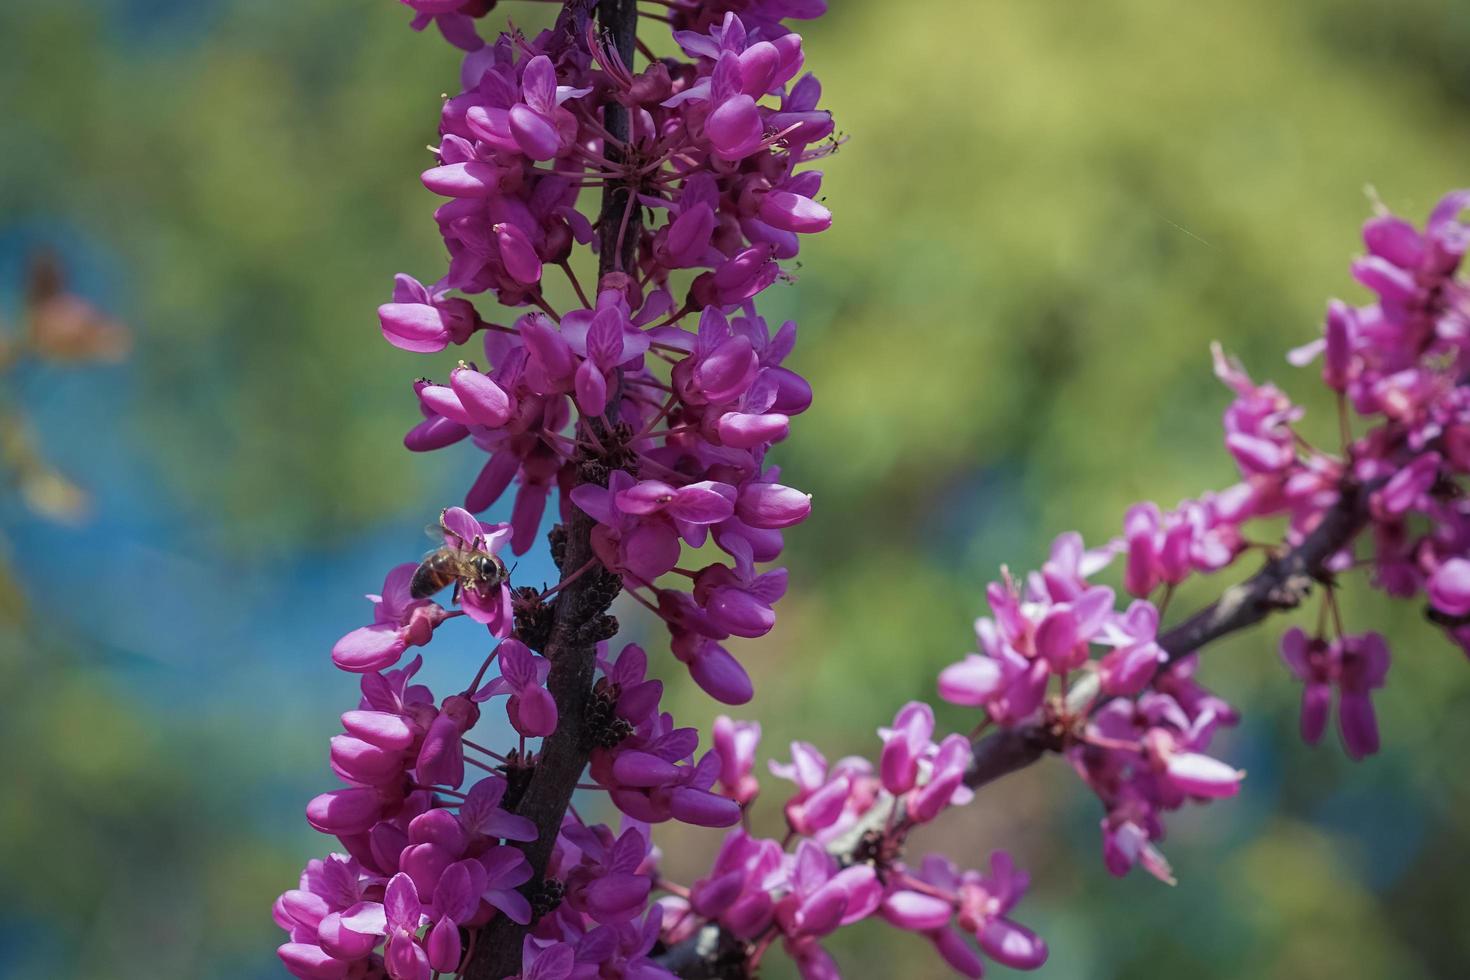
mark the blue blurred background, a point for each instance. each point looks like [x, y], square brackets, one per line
[1044, 214]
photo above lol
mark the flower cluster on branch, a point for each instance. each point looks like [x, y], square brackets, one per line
[651, 410]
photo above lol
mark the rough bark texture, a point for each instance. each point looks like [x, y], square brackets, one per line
[563, 756]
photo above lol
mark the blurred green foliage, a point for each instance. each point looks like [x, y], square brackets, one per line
[1045, 212]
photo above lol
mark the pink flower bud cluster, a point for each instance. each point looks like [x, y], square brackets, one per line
[1141, 757]
[1140, 737]
[683, 414]
[759, 890]
[651, 409]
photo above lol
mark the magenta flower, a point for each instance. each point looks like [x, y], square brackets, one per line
[470, 399]
[736, 743]
[713, 668]
[554, 962]
[622, 950]
[642, 549]
[945, 782]
[636, 697]
[1008, 685]
[505, 868]
[531, 709]
[977, 904]
[1136, 656]
[739, 600]
[604, 339]
[1363, 668]
[1408, 488]
[399, 622]
[770, 505]
[822, 794]
[650, 786]
[1126, 843]
[984, 904]
[422, 320]
[904, 745]
[1258, 423]
[538, 123]
[482, 816]
[321, 946]
[735, 891]
[1191, 773]
[1449, 587]
[440, 760]
[1314, 664]
[399, 917]
[1356, 666]
[606, 882]
[821, 897]
[485, 603]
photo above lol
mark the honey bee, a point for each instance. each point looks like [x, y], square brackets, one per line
[460, 563]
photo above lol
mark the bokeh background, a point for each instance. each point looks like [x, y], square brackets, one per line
[1045, 212]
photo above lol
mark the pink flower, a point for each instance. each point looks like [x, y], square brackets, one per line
[399, 622]
[606, 883]
[640, 548]
[399, 917]
[1363, 669]
[486, 603]
[423, 320]
[531, 708]
[979, 904]
[736, 743]
[1356, 666]
[482, 816]
[735, 892]
[945, 782]
[1449, 587]
[905, 745]
[441, 755]
[821, 897]
[820, 796]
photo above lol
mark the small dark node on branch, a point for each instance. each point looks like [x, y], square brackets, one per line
[534, 617]
[545, 896]
[601, 589]
[518, 770]
[620, 454]
[879, 849]
[557, 538]
[593, 471]
[604, 729]
[595, 630]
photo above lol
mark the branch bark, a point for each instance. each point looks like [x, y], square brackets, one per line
[564, 753]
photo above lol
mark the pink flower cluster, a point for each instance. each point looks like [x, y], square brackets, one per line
[1141, 757]
[651, 415]
[651, 408]
[682, 416]
[759, 891]
[1400, 363]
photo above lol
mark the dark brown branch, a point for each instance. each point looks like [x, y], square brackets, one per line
[563, 757]
[1283, 583]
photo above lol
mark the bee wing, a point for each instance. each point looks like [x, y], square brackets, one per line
[443, 537]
